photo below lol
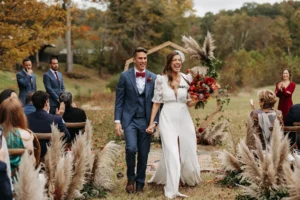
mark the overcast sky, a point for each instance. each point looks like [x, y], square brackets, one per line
[201, 6]
[204, 6]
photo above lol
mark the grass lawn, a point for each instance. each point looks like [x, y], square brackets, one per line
[237, 111]
[102, 120]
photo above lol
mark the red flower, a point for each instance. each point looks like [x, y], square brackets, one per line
[209, 80]
[149, 79]
[200, 130]
[187, 71]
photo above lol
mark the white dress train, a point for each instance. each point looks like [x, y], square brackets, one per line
[175, 125]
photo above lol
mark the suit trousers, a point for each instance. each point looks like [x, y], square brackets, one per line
[137, 141]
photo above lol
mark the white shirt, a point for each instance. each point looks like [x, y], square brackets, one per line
[53, 72]
[140, 81]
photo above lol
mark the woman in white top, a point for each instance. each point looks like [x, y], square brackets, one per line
[179, 159]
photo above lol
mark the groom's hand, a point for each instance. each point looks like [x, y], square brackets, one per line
[118, 129]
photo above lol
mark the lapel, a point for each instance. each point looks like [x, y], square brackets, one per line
[23, 73]
[51, 75]
[132, 80]
[147, 85]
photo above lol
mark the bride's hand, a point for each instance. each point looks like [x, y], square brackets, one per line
[150, 129]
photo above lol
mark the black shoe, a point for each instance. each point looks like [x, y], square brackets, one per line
[139, 188]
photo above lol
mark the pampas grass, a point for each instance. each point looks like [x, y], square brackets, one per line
[217, 134]
[267, 170]
[63, 175]
[102, 172]
[28, 186]
[54, 151]
[80, 151]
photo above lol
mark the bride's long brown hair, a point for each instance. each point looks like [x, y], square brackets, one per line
[168, 70]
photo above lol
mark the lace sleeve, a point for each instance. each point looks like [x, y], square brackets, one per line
[158, 93]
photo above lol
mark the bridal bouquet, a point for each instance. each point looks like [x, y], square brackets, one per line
[201, 88]
[205, 75]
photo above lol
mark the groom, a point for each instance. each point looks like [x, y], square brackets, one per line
[133, 106]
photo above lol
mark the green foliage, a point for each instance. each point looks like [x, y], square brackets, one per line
[90, 192]
[233, 179]
[113, 82]
[268, 195]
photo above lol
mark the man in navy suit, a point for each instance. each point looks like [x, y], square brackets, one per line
[54, 84]
[26, 80]
[40, 120]
[133, 106]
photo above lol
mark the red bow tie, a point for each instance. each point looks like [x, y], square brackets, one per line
[140, 74]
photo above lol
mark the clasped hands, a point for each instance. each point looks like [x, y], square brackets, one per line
[151, 128]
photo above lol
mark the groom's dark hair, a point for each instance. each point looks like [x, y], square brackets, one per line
[139, 49]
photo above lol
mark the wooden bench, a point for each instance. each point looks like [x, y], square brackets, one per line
[46, 136]
[295, 130]
[75, 124]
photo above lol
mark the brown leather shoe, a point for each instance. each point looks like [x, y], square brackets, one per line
[130, 187]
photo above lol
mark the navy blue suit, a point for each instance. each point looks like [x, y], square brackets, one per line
[26, 84]
[40, 121]
[134, 111]
[5, 187]
[53, 88]
[293, 116]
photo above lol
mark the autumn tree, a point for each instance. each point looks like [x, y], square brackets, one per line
[25, 26]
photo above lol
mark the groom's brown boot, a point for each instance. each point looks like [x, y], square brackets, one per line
[130, 187]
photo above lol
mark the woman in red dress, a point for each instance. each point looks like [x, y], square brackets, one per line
[284, 91]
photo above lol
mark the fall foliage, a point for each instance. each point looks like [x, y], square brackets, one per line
[25, 26]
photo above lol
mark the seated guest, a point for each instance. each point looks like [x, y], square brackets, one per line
[7, 93]
[263, 119]
[28, 108]
[14, 124]
[40, 121]
[71, 114]
[293, 116]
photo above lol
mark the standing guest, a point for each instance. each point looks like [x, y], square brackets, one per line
[28, 108]
[14, 124]
[26, 80]
[54, 84]
[284, 90]
[132, 114]
[6, 94]
[72, 114]
[40, 121]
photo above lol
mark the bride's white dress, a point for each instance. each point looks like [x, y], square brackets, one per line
[175, 126]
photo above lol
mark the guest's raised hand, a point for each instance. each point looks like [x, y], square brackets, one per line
[61, 109]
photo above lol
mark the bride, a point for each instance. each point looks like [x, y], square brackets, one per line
[179, 160]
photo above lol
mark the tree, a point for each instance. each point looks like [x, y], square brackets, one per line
[25, 26]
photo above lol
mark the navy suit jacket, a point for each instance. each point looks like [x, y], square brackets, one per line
[293, 115]
[40, 121]
[127, 96]
[25, 85]
[5, 187]
[53, 87]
